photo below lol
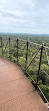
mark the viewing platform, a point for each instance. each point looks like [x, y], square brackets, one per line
[16, 91]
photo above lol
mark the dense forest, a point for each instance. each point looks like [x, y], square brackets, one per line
[14, 47]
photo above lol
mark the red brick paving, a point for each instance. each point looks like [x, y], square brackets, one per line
[16, 92]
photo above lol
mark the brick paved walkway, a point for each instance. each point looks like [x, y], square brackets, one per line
[16, 92]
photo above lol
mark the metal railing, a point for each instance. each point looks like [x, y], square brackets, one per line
[29, 55]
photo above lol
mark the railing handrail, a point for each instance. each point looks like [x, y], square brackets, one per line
[31, 42]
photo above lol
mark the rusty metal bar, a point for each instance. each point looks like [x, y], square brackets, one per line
[17, 51]
[39, 65]
[26, 57]
[2, 46]
[9, 49]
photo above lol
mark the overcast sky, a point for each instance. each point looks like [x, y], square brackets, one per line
[24, 16]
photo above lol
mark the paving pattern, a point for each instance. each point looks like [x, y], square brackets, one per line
[16, 91]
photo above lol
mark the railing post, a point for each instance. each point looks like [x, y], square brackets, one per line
[9, 49]
[39, 66]
[17, 51]
[2, 45]
[26, 57]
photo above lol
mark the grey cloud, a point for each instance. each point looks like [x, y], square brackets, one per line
[34, 17]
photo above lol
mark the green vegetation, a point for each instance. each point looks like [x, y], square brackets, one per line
[9, 50]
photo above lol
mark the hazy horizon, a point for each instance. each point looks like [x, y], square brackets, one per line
[24, 33]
